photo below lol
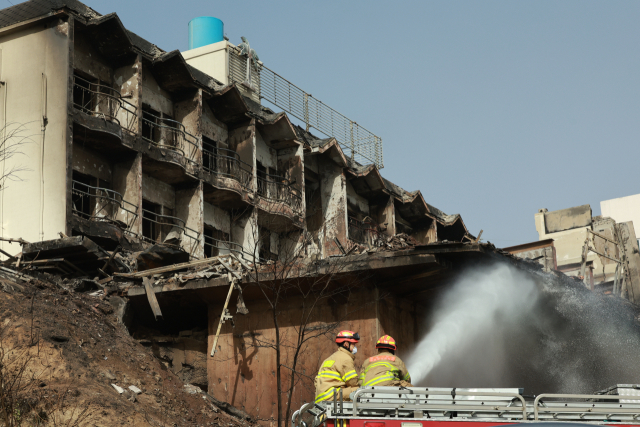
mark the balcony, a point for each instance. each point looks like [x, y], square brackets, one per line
[363, 232]
[226, 163]
[158, 228]
[102, 205]
[278, 189]
[103, 102]
[170, 134]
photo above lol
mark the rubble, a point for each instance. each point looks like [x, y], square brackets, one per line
[90, 357]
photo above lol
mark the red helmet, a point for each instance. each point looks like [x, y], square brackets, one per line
[386, 341]
[350, 336]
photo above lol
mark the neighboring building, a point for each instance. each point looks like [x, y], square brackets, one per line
[131, 145]
[596, 249]
[623, 209]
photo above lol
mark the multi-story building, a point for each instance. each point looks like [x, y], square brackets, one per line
[131, 145]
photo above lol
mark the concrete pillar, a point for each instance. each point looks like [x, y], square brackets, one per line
[333, 194]
[189, 113]
[190, 208]
[127, 180]
[387, 218]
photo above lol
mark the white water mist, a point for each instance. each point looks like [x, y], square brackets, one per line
[477, 304]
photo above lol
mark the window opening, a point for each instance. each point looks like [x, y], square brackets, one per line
[214, 242]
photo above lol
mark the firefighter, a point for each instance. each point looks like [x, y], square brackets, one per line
[385, 369]
[338, 371]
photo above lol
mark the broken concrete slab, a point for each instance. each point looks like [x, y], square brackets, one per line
[135, 389]
[159, 256]
[119, 389]
[69, 255]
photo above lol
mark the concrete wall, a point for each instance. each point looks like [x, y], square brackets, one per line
[92, 163]
[158, 192]
[266, 155]
[217, 218]
[35, 68]
[355, 201]
[88, 60]
[623, 209]
[154, 96]
[213, 128]
[211, 59]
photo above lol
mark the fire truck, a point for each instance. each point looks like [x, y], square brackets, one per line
[467, 407]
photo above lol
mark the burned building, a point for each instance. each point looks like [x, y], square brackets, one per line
[128, 147]
[598, 250]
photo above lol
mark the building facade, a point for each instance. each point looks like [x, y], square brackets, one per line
[131, 146]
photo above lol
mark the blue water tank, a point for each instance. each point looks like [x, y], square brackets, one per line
[205, 30]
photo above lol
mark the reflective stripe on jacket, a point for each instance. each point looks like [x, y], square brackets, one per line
[385, 369]
[336, 371]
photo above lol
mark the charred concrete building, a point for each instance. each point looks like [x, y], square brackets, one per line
[597, 249]
[128, 146]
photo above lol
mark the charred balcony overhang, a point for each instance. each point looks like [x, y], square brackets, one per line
[228, 181]
[366, 181]
[228, 105]
[419, 274]
[103, 215]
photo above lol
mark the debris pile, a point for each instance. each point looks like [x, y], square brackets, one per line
[397, 242]
[83, 368]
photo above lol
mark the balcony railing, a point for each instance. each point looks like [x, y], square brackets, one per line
[168, 133]
[104, 102]
[357, 142]
[278, 189]
[363, 232]
[227, 163]
[102, 204]
[170, 223]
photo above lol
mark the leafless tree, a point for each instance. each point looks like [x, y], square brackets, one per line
[297, 279]
[13, 138]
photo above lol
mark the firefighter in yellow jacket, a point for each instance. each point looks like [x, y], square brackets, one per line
[338, 371]
[385, 369]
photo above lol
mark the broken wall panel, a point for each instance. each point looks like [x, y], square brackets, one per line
[567, 219]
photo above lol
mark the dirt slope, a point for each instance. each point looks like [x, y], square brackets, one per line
[60, 353]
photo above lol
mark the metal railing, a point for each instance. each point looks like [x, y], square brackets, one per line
[358, 143]
[363, 232]
[171, 223]
[102, 204]
[279, 189]
[105, 102]
[224, 247]
[169, 133]
[227, 163]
